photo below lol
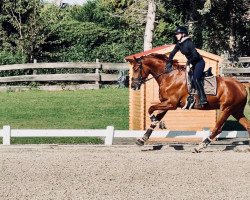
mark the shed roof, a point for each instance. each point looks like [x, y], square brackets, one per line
[167, 48]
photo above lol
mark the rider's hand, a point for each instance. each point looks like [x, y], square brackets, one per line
[169, 67]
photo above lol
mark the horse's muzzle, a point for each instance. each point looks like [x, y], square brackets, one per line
[136, 84]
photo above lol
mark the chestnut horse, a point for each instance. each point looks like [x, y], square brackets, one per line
[231, 95]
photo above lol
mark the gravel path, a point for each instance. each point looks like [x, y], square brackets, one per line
[122, 172]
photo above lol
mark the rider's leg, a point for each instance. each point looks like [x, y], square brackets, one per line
[201, 92]
[198, 72]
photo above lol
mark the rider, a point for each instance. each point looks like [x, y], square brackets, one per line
[186, 46]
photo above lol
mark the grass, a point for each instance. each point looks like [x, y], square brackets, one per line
[88, 109]
[56, 140]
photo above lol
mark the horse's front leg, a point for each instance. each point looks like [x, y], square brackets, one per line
[162, 109]
[155, 119]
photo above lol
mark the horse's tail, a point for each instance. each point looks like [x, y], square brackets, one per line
[248, 94]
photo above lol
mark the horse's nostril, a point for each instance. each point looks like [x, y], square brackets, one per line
[134, 86]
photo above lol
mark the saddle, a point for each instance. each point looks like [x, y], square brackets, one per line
[209, 82]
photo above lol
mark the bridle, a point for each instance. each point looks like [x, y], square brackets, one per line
[140, 80]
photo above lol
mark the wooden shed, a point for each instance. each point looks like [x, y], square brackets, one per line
[176, 120]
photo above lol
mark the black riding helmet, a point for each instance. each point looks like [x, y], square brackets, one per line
[181, 29]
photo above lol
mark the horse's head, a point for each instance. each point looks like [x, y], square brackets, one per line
[139, 74]
[151, 64]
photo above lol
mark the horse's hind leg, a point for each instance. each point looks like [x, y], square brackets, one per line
[240, 117]
[154, 121]
[225, 113]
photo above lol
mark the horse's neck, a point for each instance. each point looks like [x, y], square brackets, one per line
[155, 70]
[155, 73]
[174, 76]
[158, 72]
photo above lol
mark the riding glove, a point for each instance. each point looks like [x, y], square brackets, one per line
[169, 66]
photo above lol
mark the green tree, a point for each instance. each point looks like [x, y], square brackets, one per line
[226, 26]
[106, 35]
[75, 34]
[215, 26]
[22, 27]
[112, 29]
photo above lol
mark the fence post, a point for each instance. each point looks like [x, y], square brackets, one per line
[6, 135]
[206, 132]
[110, 135]
[34, 70]
[97, 72]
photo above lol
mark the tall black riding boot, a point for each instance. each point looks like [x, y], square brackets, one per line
[201, 92]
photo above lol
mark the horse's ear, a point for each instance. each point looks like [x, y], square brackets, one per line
[133, 60]
[130, 60]
[138, 60]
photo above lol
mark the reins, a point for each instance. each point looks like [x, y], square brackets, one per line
[157, 76]
[148, 79]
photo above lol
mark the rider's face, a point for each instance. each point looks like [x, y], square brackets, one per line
[178, 36]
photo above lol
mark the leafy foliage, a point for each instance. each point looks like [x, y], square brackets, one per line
[109, 30]
[21, 27]
[226, 27]
[7, 57]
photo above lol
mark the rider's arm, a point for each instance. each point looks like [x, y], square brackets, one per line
[174, 51]
[194, 56]
[169, 66]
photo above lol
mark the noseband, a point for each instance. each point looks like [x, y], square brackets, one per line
[139, 80]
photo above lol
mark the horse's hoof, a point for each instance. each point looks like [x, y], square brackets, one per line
[162, 125]
[139, 142]
[196, 150]
[201, 146]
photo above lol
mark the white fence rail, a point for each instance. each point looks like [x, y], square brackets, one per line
[109, 133]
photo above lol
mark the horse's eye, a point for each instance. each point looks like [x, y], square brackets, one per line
[135, 69]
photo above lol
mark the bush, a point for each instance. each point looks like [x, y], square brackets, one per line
[11, 58]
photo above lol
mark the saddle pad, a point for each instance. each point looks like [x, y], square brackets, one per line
[210, 85]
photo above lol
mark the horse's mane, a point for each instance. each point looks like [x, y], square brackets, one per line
[159, 56]
[165, 58]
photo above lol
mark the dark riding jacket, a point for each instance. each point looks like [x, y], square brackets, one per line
[188, 49]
